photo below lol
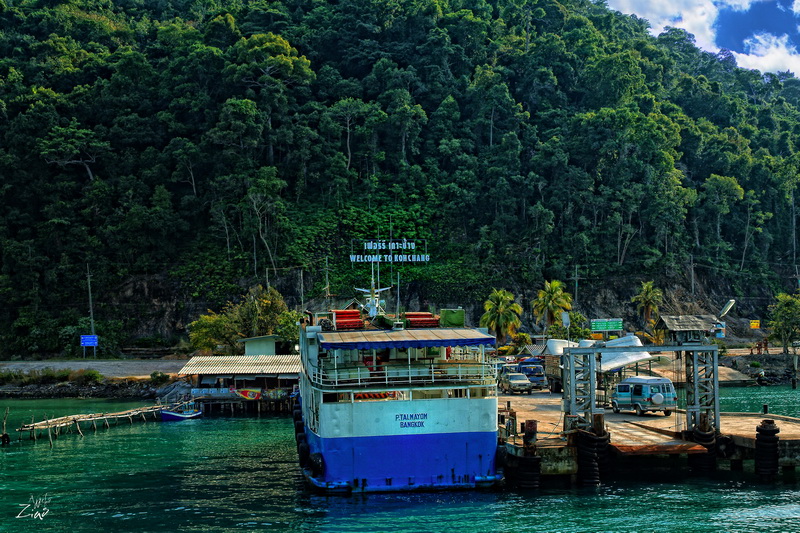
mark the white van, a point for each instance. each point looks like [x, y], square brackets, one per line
[644, 393]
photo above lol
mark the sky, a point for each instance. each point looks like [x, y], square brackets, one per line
[762, 34]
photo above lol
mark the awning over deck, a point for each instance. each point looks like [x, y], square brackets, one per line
[406, 338]
[241, 365]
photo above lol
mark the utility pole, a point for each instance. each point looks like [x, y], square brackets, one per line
[302, 297]
[576, 278]
[797, 276]
[691, 268]
[91, 306]
[327, 286]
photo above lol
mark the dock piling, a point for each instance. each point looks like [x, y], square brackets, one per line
[4, 437]
[49, 433]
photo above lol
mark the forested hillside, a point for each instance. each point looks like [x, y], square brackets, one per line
[185, 150]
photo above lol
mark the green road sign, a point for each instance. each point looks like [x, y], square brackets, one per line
[607, 324]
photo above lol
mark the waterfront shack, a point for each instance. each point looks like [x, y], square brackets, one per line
[237, 381]
[687, 328]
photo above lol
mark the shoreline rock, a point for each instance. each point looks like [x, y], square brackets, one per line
[105, 389]
[777, 368]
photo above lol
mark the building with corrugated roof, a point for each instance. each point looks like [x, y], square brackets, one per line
[260, 374]
[263, 345]
[688, 328]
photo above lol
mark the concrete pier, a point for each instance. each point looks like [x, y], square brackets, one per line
[653, 435]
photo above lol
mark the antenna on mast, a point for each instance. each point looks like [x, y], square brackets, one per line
[327, 286]
[373, 304]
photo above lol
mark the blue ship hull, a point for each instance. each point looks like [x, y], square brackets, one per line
[404, 462]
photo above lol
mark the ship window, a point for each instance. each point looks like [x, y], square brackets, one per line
[457, 393]
[402, 395]
[429, 394]
[330, 397]
[483, 392]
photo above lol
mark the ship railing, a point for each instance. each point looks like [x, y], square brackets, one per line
[415, 374]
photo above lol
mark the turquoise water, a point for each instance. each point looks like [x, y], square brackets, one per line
[781, 400]
[235, 474]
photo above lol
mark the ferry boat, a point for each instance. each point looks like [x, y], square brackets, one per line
[412, 406]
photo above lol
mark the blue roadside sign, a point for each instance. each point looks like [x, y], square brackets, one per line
[88, 340]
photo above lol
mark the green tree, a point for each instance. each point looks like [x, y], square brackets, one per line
[287, 328]
[349, 112]
[259, 312]
[648, 299]
[720, 194]
[73, 145]
[501, 314]
[577, 329]
[785, 319]
[551, 301]
[210, 331]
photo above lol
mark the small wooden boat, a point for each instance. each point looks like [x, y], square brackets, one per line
[186, 413]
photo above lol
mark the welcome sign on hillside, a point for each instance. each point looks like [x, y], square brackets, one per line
[390, 251]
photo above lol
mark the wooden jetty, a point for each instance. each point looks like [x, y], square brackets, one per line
[56, 426]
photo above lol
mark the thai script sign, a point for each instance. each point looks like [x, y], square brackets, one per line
[390, 251]
[89, 340]
[755, 324]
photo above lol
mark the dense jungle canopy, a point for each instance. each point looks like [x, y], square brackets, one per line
[187, 149]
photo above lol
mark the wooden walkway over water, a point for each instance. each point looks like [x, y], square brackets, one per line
[53, 427]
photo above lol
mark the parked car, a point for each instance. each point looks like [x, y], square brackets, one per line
[644, 393]
[515, 382]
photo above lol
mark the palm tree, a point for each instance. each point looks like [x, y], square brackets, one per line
[501, 314]
[551, 301]
[648, 300]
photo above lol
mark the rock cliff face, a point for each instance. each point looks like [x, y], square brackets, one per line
[161, 309]
[773, 368]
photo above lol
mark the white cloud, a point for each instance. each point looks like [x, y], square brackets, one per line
[695, 16]
[765, 52]
[769, 53]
